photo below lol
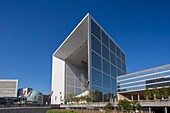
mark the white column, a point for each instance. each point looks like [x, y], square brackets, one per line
[131, 97]
[149, 109]
[165, 110]
[138, 97]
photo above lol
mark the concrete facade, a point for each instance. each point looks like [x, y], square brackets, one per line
[8, 88]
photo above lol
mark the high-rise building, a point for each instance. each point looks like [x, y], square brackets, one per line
[89, 59]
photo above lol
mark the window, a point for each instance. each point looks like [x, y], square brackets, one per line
[77, 91]
[123, 66]
[113, 71]
[112, 46]
[70, 81]
[78, 82]
[123, 57]
[70, 90]
[106, 81]
[105, 52]
[118, 72]
[105, 39]
[95, 29]
[96, 61]
[96, 45]
[112, 58]
[118, 51]
[106, 66]
[96, 77]
[113, 84]
[118, 63]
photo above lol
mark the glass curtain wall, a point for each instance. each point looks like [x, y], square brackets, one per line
[76, 78]
[108, 62]
[159, 77]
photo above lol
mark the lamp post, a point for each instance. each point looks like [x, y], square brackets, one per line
[115, 103]
[42, 101]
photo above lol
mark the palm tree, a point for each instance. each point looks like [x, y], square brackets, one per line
[164, 92]
[87, 98]
[95, 95]
[135, 105]
[156, 93]
[70, 97]
[168, 92]
[76, 99]
[124, 106]
[147, 94]
[108, 106]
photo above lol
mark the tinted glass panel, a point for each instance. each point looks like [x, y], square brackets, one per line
[118, 52]
[123, 57]
[96, 61]
[153, 76]
[113, 71]
[118, 72]
[105, 39]
[95, 29]
[123, 67]
[113, 58]
[96, 45]
[106, 81]
[118, 63]
[96, 77]
[105, 52]
[113, 83]
[106, 67]
[112, 46]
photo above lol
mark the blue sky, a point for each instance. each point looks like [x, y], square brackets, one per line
[31, 30]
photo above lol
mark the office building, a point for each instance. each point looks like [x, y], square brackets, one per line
[133, 85]
[8, 88]
[89, 59]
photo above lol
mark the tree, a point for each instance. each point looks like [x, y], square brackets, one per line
[164, 92]
[147, 94]
[156, 93]
[76, 99]
[87, 98]
[95, 95]
[124, 106]
[168, 92]
[128, 106]
[70, 97]
[108, 106]
[135, 105]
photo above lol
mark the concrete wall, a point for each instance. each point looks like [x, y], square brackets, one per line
[8, 88]
[25, 110]
[58, 80]
[155, 103]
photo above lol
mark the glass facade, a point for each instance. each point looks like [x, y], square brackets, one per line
[158, 76]
[108, 62]
[76, 79]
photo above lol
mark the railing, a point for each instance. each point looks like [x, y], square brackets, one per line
[156, 103]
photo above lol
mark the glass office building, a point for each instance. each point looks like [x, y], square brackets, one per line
[88, 59]
[138, 81]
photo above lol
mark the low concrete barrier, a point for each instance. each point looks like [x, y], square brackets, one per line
[155, 103]
[87, 105]
[24, 110]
